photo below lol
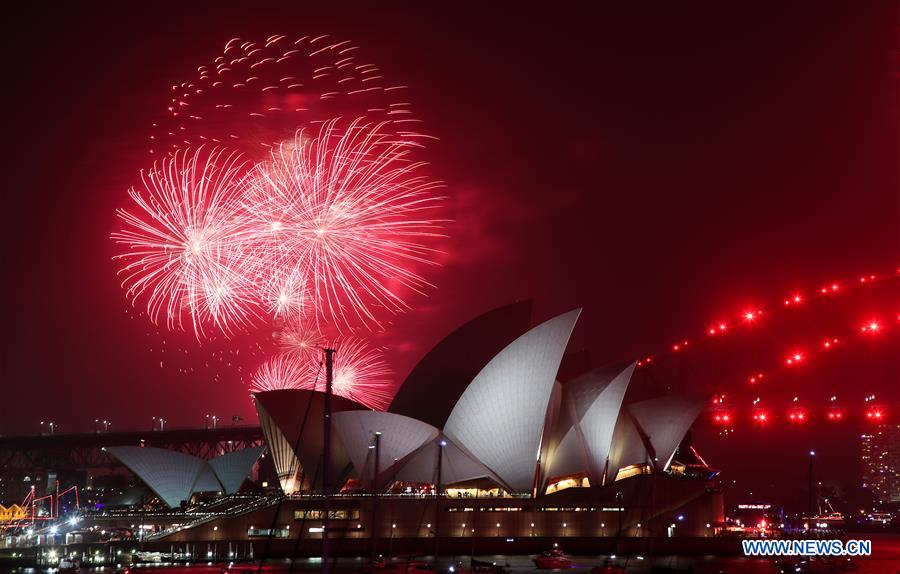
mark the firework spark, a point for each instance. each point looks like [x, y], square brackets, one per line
[179, 243]
[300, 338]
[360, 372]
[348, 211]
[362, 375]
[255, 94]
[284, 371]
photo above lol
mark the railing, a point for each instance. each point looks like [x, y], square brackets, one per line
[251, 504]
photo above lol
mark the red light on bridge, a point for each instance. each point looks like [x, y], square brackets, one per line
[793, 300]
[871, 327]
[756, 378]
[835, 416]
[794, 359]
[761, 417]
[718, 328]
[797, 417]
[829, 343]
[752, 315]
[722, 418]
[875, 415]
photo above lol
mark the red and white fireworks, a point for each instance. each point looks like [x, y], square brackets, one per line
[360, 373]
[346, 213]
[300, 337]
[298, 218]
[255, 94]
[284, 371]
[336, 224]
[179, 243]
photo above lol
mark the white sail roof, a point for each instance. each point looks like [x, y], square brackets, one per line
[233, 467]
[207, 480]
[627, 446]
[665, 421]
[399, 436]
[175, 476]
[287, 465]
[442, 375]
[500, 416]
[293, 420]
[456, 465]
[170, 474]
[589, 410]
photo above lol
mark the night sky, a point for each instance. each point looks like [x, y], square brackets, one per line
[660, 166]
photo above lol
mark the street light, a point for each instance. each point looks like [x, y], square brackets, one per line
[809, 508]
[620, 510]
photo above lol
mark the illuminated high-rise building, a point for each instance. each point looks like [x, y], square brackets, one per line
[880, 451]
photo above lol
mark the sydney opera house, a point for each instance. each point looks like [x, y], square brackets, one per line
[483, 440]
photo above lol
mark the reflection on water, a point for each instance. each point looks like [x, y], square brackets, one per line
[885, 558]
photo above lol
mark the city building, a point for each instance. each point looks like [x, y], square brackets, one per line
[880, 455]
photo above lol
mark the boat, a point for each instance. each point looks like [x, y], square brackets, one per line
[551, 559]
[408, 567]
[69, 566]
[480, 566]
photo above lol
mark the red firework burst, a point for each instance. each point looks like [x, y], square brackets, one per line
[360, 372]
[255, 94]
[300, 338]
[345, 212]
[284, 371]
[180, 243]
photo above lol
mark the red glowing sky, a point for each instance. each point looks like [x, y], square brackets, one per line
[658, 168]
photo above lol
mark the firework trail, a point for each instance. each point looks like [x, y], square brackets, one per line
[347, 212]
[284, 371]
[360, 373]
[300, 338]
[312, 223]
[255, 94]
[179, 243]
